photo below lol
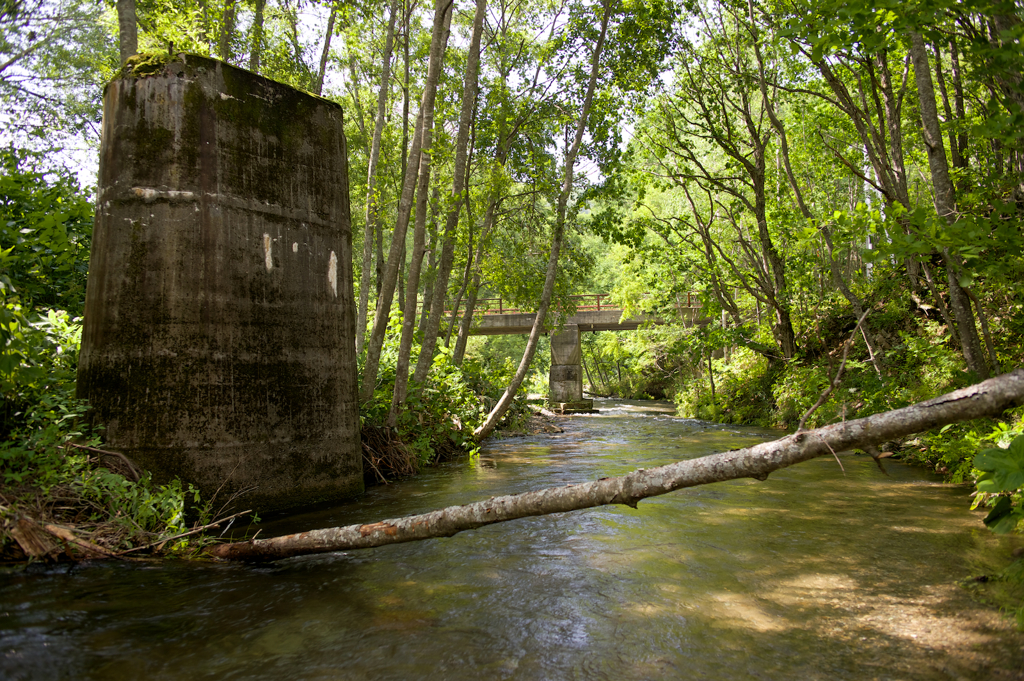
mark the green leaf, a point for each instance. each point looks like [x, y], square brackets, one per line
[1003, 517]
[1002, 469]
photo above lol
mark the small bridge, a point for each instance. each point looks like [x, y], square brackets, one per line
[594, 312]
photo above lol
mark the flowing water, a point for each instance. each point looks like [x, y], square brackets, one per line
[816, 573]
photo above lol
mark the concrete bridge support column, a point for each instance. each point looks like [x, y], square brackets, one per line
[219, 319]
[565, 381]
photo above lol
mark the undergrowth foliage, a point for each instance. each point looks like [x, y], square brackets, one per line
[438, 418]
[436, 422]
[52, 469]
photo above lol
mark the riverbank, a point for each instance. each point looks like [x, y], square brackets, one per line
[75, 502]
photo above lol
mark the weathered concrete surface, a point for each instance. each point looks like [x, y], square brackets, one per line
[219, 325]
[580, 407]
[565, 379]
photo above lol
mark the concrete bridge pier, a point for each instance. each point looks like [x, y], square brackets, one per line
[219, 319]
[565, 381]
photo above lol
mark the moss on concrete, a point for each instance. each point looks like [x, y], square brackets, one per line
[148, 64]
[203, 362]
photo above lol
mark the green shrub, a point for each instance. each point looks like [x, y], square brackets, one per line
[796, 390]
[999, 478]
[38, 362]
[441, 416]
[46, 225]
[438, 417]
[743, 391]
[926, 355]
[50, 472]
[999, 487]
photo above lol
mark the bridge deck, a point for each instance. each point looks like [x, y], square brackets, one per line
[584, 302]
[587, 320]
[594, 312]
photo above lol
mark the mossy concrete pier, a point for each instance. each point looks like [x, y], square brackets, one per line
[219, 325]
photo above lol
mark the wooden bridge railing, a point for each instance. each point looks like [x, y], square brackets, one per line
[584, 302]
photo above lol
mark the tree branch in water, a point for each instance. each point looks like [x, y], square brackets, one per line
[990, 398]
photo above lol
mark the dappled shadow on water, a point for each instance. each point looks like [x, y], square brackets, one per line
[816, 573]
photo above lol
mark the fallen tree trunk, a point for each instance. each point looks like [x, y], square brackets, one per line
[989, 398]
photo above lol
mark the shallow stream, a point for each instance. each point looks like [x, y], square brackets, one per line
[818, 573]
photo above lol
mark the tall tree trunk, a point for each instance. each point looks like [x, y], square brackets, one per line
[586, 370]
[206, 26]
[127, 29]
[291, 17]
[466, 321]
[431, 255]
[939, 302]
[989, 345]
[958, 103]
[400, 391]
[442, 17]
[402, 259]
[990, 398]
[353, 87]
[407, 15]
[227, 31]
[883, 144]
[951, 122]
[256, 37]
[471, 286]
[1005, 33]
[494, 417]
[892, 105]
[469, 94]
[769, 106]
[945, 205]
[783, 330]
[318, 86]
[378, 267]
[372, 198]
[603, 375]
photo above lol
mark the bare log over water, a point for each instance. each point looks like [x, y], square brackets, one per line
[990, 398]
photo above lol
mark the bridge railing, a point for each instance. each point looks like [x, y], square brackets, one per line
[492, 306]
[584, 302]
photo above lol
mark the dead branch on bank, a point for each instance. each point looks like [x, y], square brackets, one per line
[385, 455]
[125, 466]
[65, 523]
[37, 539]
[990, 398]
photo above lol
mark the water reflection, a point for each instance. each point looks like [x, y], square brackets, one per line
[814, 574]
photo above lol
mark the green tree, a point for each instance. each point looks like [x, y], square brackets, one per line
[45, 235]
[53, 58]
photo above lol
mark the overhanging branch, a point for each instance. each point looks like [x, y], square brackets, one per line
[990, 398]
